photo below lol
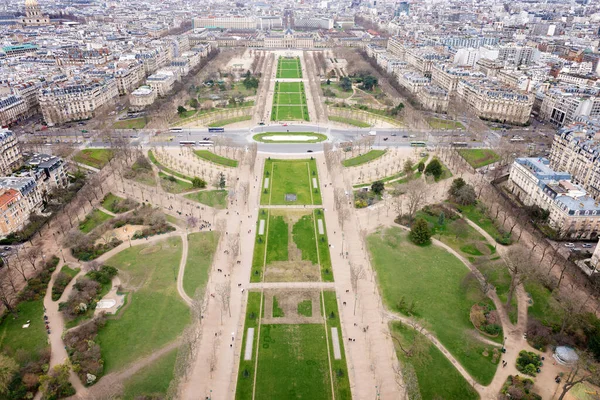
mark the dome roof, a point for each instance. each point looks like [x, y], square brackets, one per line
[565, 355]
[31, 3]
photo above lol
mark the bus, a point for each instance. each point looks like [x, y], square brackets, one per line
[418, 144]
[176, 129]
[205, 143]
[216, 129]
[187, 143]
[459, 144]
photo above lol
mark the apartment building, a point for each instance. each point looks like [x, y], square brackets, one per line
[74, 101]
[516, 55]
[573, 213]
[447, 77]
[495, 102]
[129, 75]
[434, 98]
[563, 105]
[29, 91]
[141, 98]
[161, 82]
[13, 213]
[227, 22]
[10, 153]
[308, 22]
[12, 109]
[51, 171]
[413, 81]
[30, 191]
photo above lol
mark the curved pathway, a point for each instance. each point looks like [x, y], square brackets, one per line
[180, 275]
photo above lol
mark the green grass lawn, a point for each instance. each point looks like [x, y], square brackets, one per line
[211, 198]
[153, 379]
[245, 380]
[96, 158]
[496, 273]
[437, 377]
[217, 159]
[305, 308]
[109, 201]
[229, 121]
[201, 250]
[544, 307]
[323, 243]
[135, 123]
[349, 121]
[437, 123]
[341, 384]
[162, 167]
[31, 340]
[93, 220]
[478, 158]
[175, 185]
[478, 216]
[363, 158]
[277, 241]
[289, 87]
[290, 177]
[289, 113]
[261, 137]
[156, 314]
[292, 363]
[434, 280]
[258, 257]
[303, 233]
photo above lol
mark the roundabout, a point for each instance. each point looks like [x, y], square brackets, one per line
[289, 137]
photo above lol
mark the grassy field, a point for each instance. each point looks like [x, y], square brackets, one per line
[437, 377]
[349, 121]
[260, 246]
[229, 121]
[135, 123]
[544, 307]
[156, 314]
[289, 68]
[211, 198]
[434, 280]
[30, 341]
[289, 102]
[93, 220]
[363, 158]
[201, 250]
[290, 177]
[437, 123]
[341, 384]
[261, 137]
[292, 363]
[323, 243]
[96, 158]
[163, 168]
[245, 380]
[174, 185]
[215, 158]
[475, 214]
[151, 380]
[478, 158]
[109, 201]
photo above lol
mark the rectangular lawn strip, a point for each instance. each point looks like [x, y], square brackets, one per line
[292, 362]
[168, 170]
[437, 377]
[245, 381]
[229, 121]
[134, 123]
[478, 158]
[291, 87]
[96, 158]
[319, 137]
[201, 250]
[215, 158]
[341, 383]
[152, 380]
[211, 198]
[156, 315]
[324, 256]
[437, 123]
[363, 158]
[305, 308]
[303, 233]
[173, 185]
[258, 257]
[289, 177]
[435, 281]
[277, 240]
[30, 341]
[349, 121]
[93, 220]
[314, 174]
[288, 113]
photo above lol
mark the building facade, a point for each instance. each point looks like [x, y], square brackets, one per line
[10, 153]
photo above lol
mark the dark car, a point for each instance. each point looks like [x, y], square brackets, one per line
[384, 139]
[309, 151]
[261, 123]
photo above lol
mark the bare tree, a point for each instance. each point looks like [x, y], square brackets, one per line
[585, 370]
[7, 294]
[520, 268]
[32, 255]
[356, 273]
[416, 194]
[223, 291]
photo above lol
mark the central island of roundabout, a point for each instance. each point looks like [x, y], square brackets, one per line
[289, 137]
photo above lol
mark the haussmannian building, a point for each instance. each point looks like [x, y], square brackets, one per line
[10, 153]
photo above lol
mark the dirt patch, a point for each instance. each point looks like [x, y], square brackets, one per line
[292, 271]
[288, 300]
[151, 249]
[123, 233]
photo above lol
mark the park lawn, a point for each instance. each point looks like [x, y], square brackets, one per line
[201, 250]
[109, 201]
[303, 233]
[258, 257]
[175, 186]
[260, 137]
[478, 216]
[287, 113]
[289, 87]
[245, 381]
[96, 158]
[277, 240]
[141, 174]
[211, 198]
[289, 98]
[93, 220]
[153, 379]
[349, 121]
[363, 158]
[434, 280]
[478, 158]
[293, 363]
[437, 377]
[544, 307]
[163, 168]
[437, 123]
[497, 274]
[341, 384]
[135, 123]
[323, 243]
[156, 314]
[215, 158]
[31, 341]
[290, 177]
[289, 73]
[228, 121]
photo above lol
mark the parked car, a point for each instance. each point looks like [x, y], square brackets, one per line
[571, 245]
[586, 245]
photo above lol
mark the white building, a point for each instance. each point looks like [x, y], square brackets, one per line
[141, 98]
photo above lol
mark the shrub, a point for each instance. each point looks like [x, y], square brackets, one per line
[434, 168]
[419, 232]
[83, 350]
[198, 183]
[528, 362]
[60, 283]
[377, 187]
[421, 166]
[492, 329]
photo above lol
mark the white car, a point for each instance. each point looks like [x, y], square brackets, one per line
[570, 245]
